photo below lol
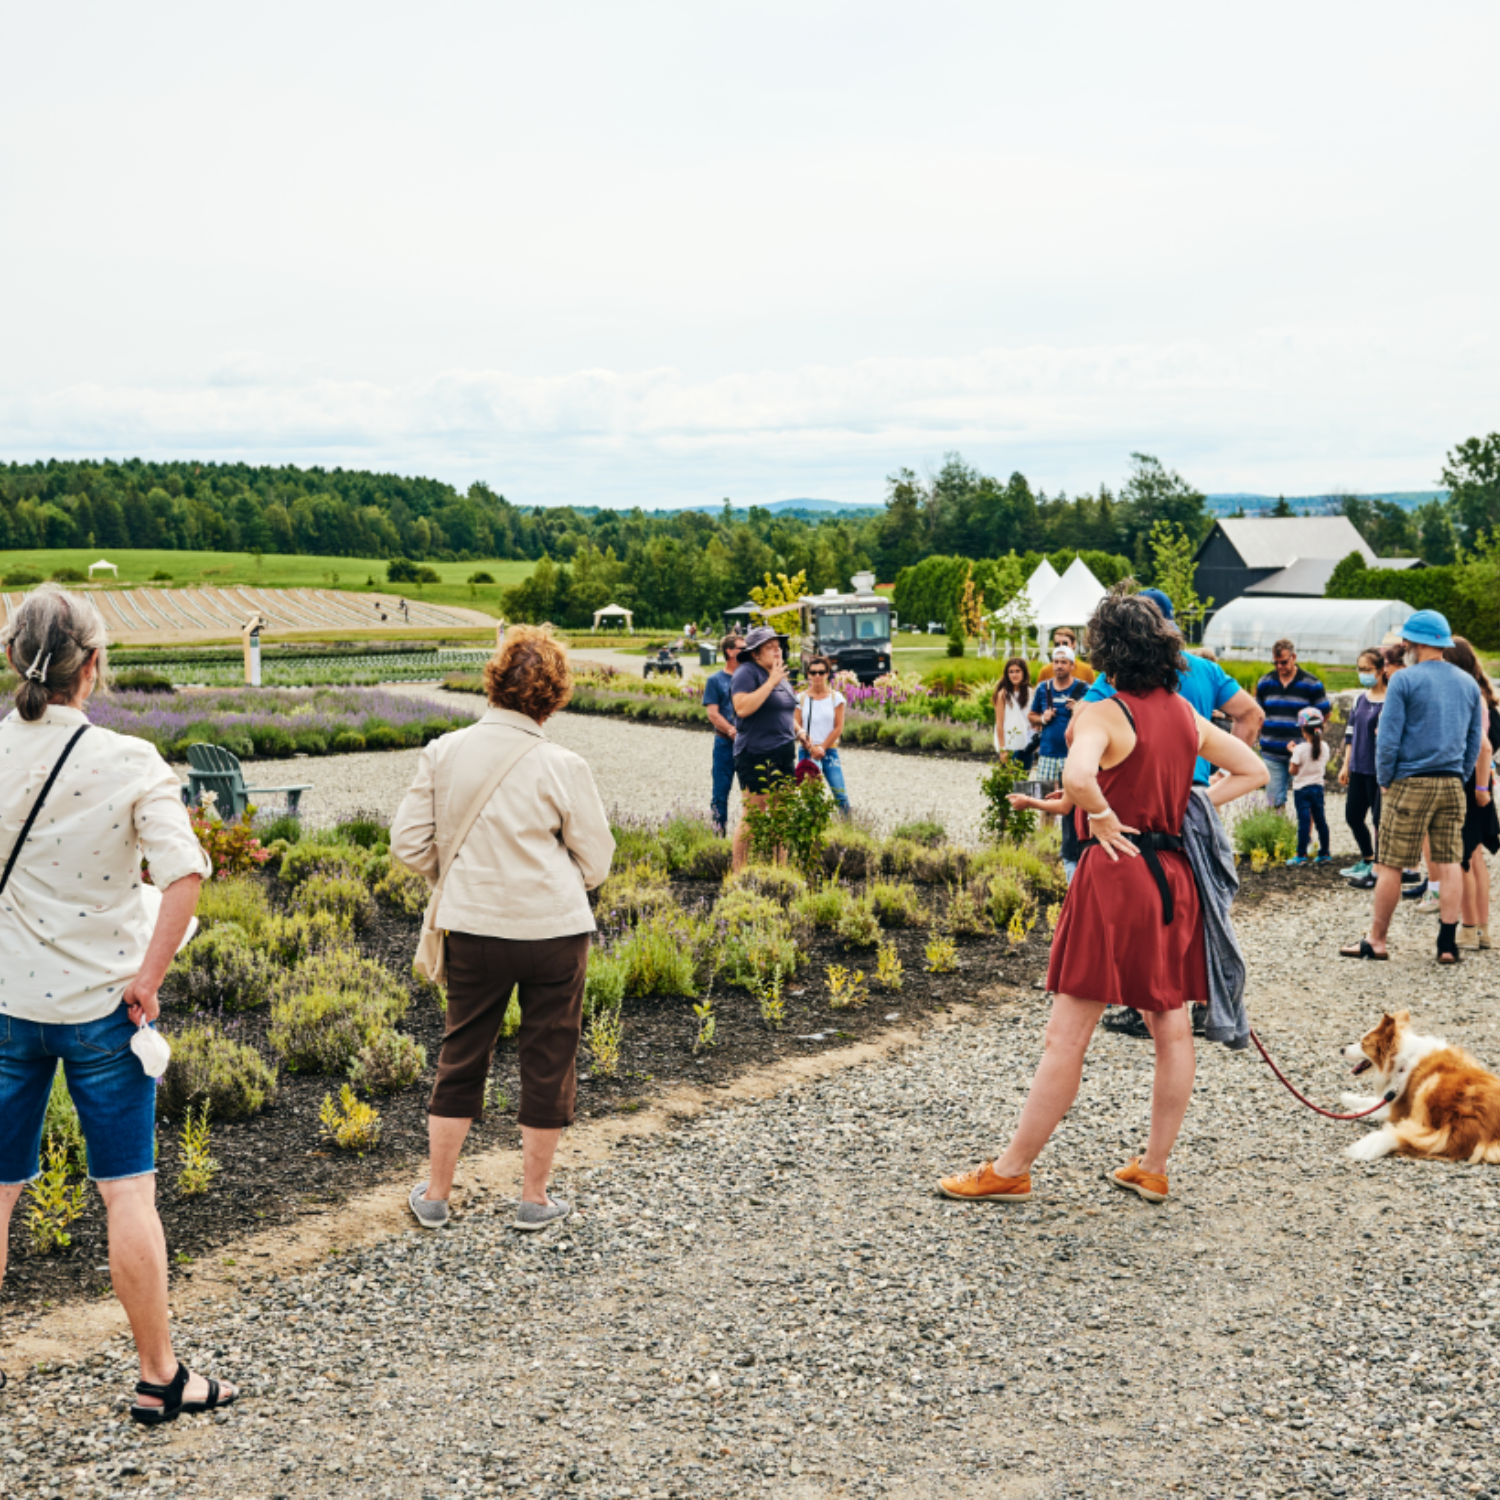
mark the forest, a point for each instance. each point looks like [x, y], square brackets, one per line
[670, 566]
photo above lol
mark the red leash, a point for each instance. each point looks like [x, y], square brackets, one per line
[1327, 1114]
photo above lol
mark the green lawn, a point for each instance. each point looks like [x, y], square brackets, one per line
[278, 570]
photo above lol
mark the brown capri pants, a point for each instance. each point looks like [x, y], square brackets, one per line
[482, 971]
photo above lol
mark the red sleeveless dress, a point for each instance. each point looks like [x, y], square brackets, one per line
[1111, 943]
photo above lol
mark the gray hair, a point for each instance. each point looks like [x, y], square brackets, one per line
[50, 637]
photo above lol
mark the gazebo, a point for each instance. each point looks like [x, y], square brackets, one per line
[1071, 601]
[615, 612]
[103, 564]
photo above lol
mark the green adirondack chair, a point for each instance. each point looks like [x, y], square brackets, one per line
[212, 768]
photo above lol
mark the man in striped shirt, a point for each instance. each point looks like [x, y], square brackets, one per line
[1283, 694]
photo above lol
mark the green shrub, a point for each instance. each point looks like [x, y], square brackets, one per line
[322, 858]
[941, 865]
[822, 906]
[284, 827]
[383, 737]
[684, 840]
[632, 893]
[890, 732]
[312, 742]
[324, 1030]
[896, 904]
[858, 926]
[1026, 862]
[604, 988]
[780, 882]
[348, 742]
[755, 951]
[710, 862]
[742, 907]
[345, 969]
[240, 900]
[223, 967]
[1267, 829]
[160, 575]
[851, 853]
[404, 888]
[274, 743]
[926, 831]
[289, 938]
[910, 736]
[22, 578]
[346, 896]
[389, 1062]
[481, 577]
[234, 1080]
[662, 955]
[364, 830]
[1004, 895]
[69, 575]
[1001, 821]
[965, 914]
[141, 680]
[60, 1128]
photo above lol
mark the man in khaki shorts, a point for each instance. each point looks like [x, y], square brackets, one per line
[1425, 750]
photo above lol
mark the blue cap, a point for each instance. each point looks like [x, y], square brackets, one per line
[1159, 599]
[1427, 628]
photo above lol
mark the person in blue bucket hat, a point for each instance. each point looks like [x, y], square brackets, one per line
[1430, 731]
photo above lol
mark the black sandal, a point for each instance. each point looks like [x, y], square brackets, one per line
[170, 1397]
[192, 1408]
[1364, 950]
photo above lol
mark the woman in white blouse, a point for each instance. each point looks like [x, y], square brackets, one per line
[819, 725]
[1012, 701]
[84, 946]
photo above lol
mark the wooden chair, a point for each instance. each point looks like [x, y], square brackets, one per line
[212, 768]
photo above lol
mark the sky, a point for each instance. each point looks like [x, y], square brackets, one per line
[664, 254]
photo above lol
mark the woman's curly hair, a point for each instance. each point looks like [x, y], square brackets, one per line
[529, 673]
[1134, 645]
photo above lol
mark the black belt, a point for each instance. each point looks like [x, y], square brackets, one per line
[1149, 843]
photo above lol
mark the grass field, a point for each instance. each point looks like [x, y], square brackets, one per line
[277, 570]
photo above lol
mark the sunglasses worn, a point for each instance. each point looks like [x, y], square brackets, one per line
[817, 672]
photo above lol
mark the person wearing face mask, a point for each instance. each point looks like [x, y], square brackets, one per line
[1357, 774]
[1431, 729]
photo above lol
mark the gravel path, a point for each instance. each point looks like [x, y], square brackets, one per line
[642, 769]
[770, 1301]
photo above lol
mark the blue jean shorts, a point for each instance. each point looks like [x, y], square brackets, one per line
[115, 1100]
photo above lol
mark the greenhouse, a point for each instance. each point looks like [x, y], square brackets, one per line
[1331, 631]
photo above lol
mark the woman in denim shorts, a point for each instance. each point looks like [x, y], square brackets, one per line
[84, 945]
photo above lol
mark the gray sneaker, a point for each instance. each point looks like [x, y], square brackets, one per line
[540, 1215]
[431, 1215]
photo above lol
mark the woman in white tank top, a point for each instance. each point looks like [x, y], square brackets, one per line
[819, 724]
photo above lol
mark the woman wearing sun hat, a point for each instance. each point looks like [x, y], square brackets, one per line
[765, 742]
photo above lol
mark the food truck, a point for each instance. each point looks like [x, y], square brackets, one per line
[853, 630]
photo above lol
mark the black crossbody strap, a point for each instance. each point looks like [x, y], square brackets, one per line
[36, 806]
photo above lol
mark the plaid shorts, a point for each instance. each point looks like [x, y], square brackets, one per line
[1048, 767]
[1418, 807]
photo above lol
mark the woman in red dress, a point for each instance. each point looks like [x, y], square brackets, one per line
[1131, 930]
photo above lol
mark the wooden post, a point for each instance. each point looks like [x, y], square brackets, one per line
[250, 634]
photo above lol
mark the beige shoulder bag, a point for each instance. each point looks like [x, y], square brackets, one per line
[431, 960]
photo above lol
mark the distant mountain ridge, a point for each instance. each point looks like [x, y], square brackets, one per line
[1316, 505]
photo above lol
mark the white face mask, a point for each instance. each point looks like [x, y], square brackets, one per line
[151, 1048]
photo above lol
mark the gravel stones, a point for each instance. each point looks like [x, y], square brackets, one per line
[771, 1301]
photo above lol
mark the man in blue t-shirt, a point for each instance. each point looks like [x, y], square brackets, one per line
[718, 699]
[1208, 687]
[1051, 713]
[1283, 694]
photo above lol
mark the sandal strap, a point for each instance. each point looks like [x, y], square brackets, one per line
[213, 1395]
[169, 1395]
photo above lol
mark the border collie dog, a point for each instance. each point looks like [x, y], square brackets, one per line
[1439, 1101]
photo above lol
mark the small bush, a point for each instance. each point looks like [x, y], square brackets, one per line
[141, 680]
[345, 969]
[345, 896]
[710, 862]
[1002, 822]
[740, 906]
[60, 1128]
[896, 904]
[239, 900]
[285, 827]
[406, 890]
[22, 578]
[965, 915]
[161, 576]
[604, 988]
[322, 858]
[289, 939]
[632, 893]
[347, 742]
[890, 732]
[780, 882]
[822, 906]
[274, 743]
[363, 830]
[1267, 830]
[929, 866]
[323, 1031]
[388, 1063]
[910, 736]
[350, 1124]
[234, 1080]
[859, 927]
[1004, 897]
[851, 853]
[223, 967]
[926, 831]
[481, 577]
[69, 575]
[661, 955]
[384, 737]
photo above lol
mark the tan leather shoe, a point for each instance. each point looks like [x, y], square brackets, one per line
[985, 1185]
[1468, 937]
[1152, 1186]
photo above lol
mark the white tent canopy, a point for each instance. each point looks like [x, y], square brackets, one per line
[1074, 598]
[1330, 631]
[103, 564]
[1041, 583]
[615, 612]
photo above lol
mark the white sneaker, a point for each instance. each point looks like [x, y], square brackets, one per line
[1429, 905]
